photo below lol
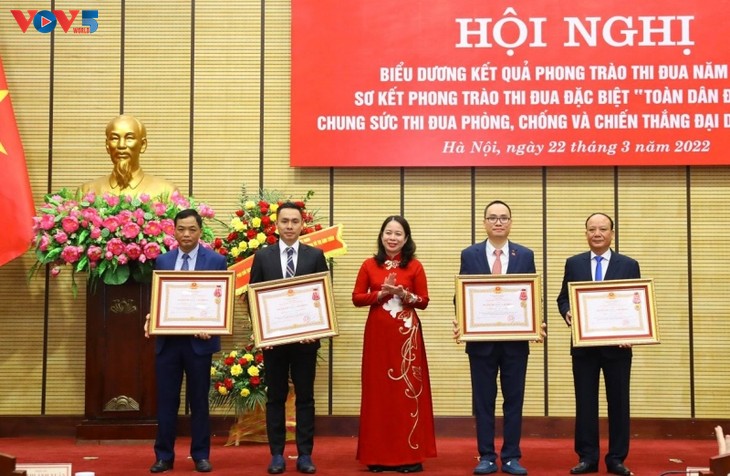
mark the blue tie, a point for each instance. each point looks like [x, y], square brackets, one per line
[599, 270]
[185, 266]
[289, 262]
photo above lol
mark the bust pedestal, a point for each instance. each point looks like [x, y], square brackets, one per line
[120, 400]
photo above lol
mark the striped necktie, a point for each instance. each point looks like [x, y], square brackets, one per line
[185, 266]
[289, 262]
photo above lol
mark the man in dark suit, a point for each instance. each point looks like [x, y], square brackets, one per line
[189, 354]
[498, 255]
[600, 263]
[289, 257]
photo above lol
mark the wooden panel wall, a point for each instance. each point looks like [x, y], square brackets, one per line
[213, 90]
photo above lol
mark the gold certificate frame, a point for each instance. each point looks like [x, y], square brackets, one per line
[192, 302]
[613, 312]
[505, 307]
[292, 310]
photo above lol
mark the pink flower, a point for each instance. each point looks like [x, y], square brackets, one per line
[179, 200]
[122, 259]
[55, 271]
[115, 246]
[47, 222]
[130, 230]
[111, 224]
[144, 197]
[142, 258]
[152, 250]
[205, 211]
[124, 216]
[95, 233]
[111, 200]
[89, 197]
[95, 253]
[44, 242]
[71, 254]
[169, 241]
[168, 226]
[160, 209]
[61, 237]
[133, 251]
[152, 228]
[70, 224]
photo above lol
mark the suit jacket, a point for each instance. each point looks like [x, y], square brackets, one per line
[207, 260]
[267, 265]
[578, 268]
[474, 261]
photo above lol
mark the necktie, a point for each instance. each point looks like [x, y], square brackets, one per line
[497, 267]
[289, 262]
[185, 266]
[599, 269]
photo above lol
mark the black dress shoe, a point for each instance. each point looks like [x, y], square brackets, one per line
[619, 469]
[410, 468]
[376, 468]
[583, 468]
[161, 466]
[305, 465]
[277, 465]
[203, 466]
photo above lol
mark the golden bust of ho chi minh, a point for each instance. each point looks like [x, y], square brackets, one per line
[126, 140]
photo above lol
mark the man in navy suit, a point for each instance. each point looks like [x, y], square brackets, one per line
[598, 264]
[298, 359]
[192, 355]
[498, 255]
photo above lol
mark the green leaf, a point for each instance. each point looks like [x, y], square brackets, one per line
[120, 275]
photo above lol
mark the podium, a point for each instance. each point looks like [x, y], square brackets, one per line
[120, 398]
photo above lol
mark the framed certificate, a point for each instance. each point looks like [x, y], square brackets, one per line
[192, 302]
[504, 307]
[293, 309]
[613, 312]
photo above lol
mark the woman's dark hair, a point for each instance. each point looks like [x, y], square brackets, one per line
[409, 247]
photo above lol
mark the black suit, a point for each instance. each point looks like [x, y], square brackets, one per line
[175, 355]
[509, 359]
[299, 359]
[587, 365]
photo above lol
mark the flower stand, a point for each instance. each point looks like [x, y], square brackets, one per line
[251, 426]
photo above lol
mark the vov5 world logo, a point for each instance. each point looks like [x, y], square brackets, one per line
[45, 21]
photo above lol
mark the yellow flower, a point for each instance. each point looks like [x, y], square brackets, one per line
[253, 244]
[213, 371]
[236, 370]
[273, 217]
[274, 207]
[253, 371]
[249, 205]
[261, 237]
[237, 224]
[235, 252]
[233, 354]
[248, 357]
[256, 222]
[223, 390]
[245, 392]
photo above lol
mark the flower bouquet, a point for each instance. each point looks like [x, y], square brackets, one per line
[253, 224]
[109, 237]
[237, 380]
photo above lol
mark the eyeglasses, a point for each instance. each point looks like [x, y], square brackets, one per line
[494, 219]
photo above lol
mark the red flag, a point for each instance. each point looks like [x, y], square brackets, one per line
[16, 200]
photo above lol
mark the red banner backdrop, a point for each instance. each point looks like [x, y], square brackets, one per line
[535, 83]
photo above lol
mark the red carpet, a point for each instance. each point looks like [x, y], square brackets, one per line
[336, 456]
